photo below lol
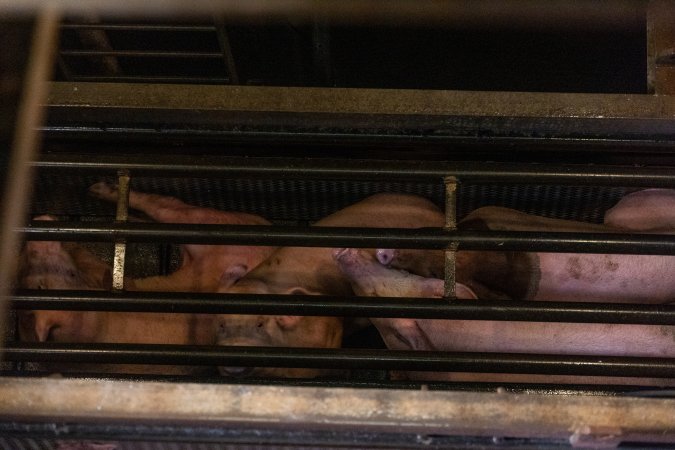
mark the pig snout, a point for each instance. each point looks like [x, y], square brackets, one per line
[385, 255]
[39, 326]
[244, 331]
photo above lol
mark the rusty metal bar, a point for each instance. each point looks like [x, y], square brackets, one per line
[392, 102]
[121, 216]
[25, 148]
[450, 225]
[581, 420]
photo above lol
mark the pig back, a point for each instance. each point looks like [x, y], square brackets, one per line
[314, 271]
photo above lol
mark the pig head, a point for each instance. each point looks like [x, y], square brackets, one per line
[56, 265]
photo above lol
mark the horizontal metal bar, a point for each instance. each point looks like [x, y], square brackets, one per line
[418, 308]
[355, 169]
[342, 359]
[378, 105]
[139, 54]
[135, 27]
[149, 79]
[422, 238]
[263, 114]
[430, 415]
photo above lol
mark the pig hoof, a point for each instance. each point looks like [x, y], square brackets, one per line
[235, 371]
[104, 191]
[385, 255]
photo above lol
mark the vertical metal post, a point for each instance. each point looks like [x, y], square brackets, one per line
[25, 148]
[122, 215]
[226, 49]
[321, 54]
[450, 224]
[661, 47]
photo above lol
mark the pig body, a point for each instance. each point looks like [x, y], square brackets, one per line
[545, 275]
[645, 210]
[313, 271]
[369, 278]
[55, 265]
[204, 268]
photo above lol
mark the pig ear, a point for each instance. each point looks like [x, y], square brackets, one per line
[232, 275]
[464, 292]
[299, 290]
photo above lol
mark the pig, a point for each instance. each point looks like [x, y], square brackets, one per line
[204, 268]
[312, 271]
[543, 275]
[370, 278]
[55, 265]
[645, 210]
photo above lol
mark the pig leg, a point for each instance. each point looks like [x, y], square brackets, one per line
[203, 268]
[172, 210]
[646, 210]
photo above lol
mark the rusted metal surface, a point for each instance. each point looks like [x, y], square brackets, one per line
[121, 216]
[450, 224]
[19, 177]
[661, 46]
[582, 420]
[363, 101]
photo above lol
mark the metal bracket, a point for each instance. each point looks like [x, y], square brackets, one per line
[122, 215]
[450, 225]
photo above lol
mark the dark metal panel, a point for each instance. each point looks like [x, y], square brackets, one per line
[406, 117]
[530, 14]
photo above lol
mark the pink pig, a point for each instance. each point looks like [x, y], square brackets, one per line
[204, 268]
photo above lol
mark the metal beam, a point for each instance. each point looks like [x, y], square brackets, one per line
[580, 420]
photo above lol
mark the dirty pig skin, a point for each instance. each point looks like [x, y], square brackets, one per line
[313, 271]
[369, 278]
[560, 276]
[204, 268]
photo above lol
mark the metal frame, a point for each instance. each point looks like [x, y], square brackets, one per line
[65, 408]
[430, 416]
